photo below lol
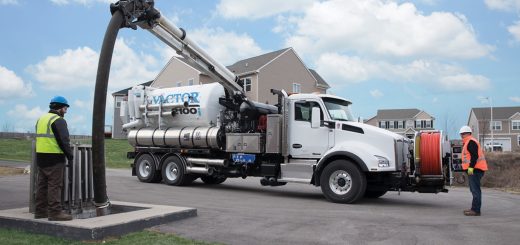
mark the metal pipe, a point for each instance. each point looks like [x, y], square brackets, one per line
[199, 170]
[163, 106]
[205, 161]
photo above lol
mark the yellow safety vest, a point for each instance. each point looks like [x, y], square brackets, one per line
[45, 140]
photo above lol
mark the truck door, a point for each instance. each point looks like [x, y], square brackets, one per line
[305, 141]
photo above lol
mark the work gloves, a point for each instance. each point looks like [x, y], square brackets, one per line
[470, 171]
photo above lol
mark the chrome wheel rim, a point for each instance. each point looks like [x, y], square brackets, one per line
[145, 168]
[172, 171]
[340, 182]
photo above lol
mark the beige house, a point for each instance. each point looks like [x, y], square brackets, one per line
[505, 127]
[282, 69]
[402, 121]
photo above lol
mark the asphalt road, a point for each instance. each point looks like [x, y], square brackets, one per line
[243, 212]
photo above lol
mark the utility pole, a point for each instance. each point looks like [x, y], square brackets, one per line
[493, 124]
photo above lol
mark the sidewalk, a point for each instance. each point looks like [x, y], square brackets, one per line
[14, 164]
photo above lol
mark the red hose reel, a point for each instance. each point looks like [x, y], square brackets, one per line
[430, 153]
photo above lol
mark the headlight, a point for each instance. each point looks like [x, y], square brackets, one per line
[382, 162]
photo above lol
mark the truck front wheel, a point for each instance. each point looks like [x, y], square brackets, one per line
[341, 181]
[174, 172]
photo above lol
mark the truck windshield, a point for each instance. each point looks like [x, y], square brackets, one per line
[338, 109]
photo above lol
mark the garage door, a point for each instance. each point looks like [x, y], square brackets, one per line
[505, 142]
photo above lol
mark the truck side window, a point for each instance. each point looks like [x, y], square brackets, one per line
[303, 111]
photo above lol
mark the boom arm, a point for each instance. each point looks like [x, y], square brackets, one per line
[143, 14]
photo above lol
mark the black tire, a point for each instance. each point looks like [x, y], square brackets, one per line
[146, 169]
[374, 194]
[343, 182]
[213, 180]
[174, 172]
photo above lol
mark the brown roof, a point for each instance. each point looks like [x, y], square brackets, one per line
[319, 79]
[254, 63]
[397, 113]
[498, 112]
[125, 91]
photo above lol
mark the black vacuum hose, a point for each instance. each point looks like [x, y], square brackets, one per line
[98, 117]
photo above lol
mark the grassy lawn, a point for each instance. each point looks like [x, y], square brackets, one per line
[8, 236]
[20, 150]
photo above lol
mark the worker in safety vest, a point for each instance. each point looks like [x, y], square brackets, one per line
[474, 162]
[52, 150]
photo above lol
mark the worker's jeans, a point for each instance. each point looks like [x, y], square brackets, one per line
[474, 187]
[48, 191]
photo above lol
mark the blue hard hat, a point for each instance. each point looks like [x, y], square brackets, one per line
[60, 100]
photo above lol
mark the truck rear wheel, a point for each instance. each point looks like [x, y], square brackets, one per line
[341, 181]
[213, 180]
[146, 169]
[174, 172]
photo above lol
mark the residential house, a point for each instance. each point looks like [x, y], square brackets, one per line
[505, 126]
[403, 121]
[282, 69]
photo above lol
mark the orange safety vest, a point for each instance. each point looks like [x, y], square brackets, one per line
[466, 157]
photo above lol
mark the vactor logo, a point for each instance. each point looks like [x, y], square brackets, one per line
[191, 98]
[180, 98]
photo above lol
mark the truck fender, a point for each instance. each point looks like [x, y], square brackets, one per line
[160, 163]
[333, 156]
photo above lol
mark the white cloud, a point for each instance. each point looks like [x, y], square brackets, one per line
[25, 115]
[77, 68]
[505, 5]
[464, 82]
[71, 69]
[82, 2]
[515, 30]
[225, 47]
[376, 93]
[259, 9]
[345, 69]
[12, 85]
[515, 99]
[383, 28]
[8, 2]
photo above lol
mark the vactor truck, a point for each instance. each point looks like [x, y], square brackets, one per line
[213, 132]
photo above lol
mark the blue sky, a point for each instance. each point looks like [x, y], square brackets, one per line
[440, 56]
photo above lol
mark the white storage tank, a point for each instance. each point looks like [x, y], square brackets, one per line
[196, 106]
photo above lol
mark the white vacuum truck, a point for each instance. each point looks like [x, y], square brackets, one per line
[214, 132]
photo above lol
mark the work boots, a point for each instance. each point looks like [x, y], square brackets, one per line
[471, 213]
[61, 216]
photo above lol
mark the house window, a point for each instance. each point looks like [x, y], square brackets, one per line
[382, 124]
[296, 88]
[190, 82]
[400, 124]
[391, 124]
[179, 84]
[515, 125]
[496, 125]
[246, 83]
[423, 124]
[118, 101]
[427, 124]
[518, 139]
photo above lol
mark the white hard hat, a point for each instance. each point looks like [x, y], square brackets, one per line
[465, 129]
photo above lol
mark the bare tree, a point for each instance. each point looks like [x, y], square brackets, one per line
[7, 127]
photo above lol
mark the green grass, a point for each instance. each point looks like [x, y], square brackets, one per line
[20, 150]
[8, 236]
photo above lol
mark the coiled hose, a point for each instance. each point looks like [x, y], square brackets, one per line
[430, 153]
